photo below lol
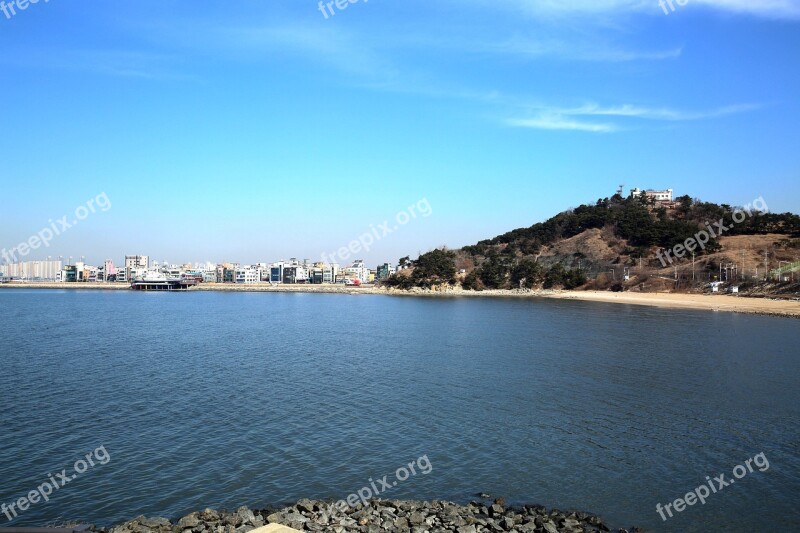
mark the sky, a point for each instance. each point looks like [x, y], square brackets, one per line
[251, 131]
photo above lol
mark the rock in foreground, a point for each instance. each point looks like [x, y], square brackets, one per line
[377, 516]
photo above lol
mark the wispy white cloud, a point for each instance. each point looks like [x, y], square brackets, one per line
[763, 8]
[544, 44]
[538, 48]
[559, 122]
[558, 7]
[579, 118]
[554, 8]
[672, 115]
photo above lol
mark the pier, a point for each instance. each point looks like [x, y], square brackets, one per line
[171, 285]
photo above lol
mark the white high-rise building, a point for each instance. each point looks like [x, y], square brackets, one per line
[137, 261]
[134, 264]
[32, 270]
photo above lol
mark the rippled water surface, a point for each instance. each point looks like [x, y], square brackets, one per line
[220, 400]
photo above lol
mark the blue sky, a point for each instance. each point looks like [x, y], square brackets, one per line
[254, 131]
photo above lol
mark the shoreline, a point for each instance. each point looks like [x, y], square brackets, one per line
[55, 285]
[394, 516]
[697, 302]
[677, 301]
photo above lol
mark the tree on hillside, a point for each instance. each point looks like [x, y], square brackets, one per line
[684, 208]
[635, 224]
[471, 282]
[527, 273]
[436, 264]
[494, 271]
[557, 275]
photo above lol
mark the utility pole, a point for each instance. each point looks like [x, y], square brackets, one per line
[766, 266]
[692, 266]
[744, 267]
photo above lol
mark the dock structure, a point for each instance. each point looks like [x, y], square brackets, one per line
[171, 285]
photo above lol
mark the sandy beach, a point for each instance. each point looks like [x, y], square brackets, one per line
[707, 302]
[704, 302]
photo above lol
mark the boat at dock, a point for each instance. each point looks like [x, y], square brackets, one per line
[158, 281]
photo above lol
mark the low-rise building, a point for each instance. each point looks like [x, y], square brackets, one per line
[357, 271]
[295, 274]
[69, 274]
[248, 274]
[226, 273]
[276, 272]
[108, 272]
[321, 273]
[384, 271]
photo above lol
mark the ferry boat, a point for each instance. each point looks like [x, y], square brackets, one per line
[158, 281]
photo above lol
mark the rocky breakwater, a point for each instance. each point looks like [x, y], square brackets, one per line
[378, 516]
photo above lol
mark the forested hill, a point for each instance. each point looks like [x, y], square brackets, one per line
[578, 244]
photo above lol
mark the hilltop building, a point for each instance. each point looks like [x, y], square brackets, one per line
[663, 198]
[658, 196]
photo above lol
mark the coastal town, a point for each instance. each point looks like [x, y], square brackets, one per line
[141, 273]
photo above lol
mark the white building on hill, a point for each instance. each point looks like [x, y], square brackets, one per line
[658, 196]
